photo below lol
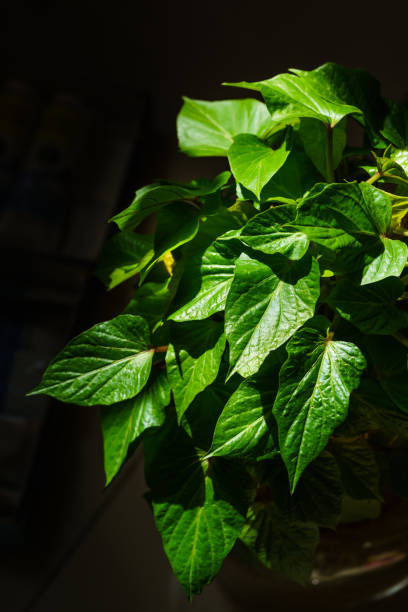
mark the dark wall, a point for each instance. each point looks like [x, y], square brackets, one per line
[113, 49]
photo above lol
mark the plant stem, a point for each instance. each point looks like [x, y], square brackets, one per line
[401, 339]
[330, 169]
[398, 179]
[192, 203]
[374, 178]
[160, 349]
[334, 325]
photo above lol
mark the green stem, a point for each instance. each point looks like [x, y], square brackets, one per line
[193, 203]
[334, 325]
[374, 178]
[401, 339]
[398, 179]
[330, 169]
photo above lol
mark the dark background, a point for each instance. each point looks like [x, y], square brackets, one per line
[112, 51]
[76, 547]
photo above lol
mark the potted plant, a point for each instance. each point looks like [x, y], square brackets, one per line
[263, 357]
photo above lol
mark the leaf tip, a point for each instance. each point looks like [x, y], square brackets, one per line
[108, 479]
[293, 480]
[36, 391]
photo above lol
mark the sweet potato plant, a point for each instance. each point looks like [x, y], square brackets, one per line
[263, 357]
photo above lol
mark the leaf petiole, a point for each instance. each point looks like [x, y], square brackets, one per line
[401, 339]
[374, 178]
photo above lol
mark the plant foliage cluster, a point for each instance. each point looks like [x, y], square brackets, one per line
[263, 357]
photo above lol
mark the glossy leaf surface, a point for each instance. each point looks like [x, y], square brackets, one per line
[253, 163]
[293, 180]
[390, 262]
[266, 233]
[123, 423]
[123, 256]
[268, 301]
[208, 128]
[343, 215]
[395, 128]
[151, 198]
[193, 360]
[372, 308]
[314, 389]
[150, 302]
[328, 93]
[209, 280]
[246, 425]
[198, 512]
[325, 149]
[176, 225]
[105, 364]
[200, 419]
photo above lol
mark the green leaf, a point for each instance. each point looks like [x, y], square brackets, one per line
[106, 364]
[390, 362]
[340, 215]
[281, 544]
[314, 388]
[318, 495]
[125, 422]
[395, 128]
[359, 468]
[213, 227]
[399, 211]
[150, 302]
[388, 166]
[371, 308]
[291, 96]
[353, 87]
[266, 233]
[193, 360]
[293, 180]
[392, 168]
[176, 225]
[347, 219]
[253, 163]
[324, 151]
[371, 409]
[123, 256]
[208, 128]
[208, 279]
[327, 93]
[200, 419]
[244, 209]
[151, 198]
[400, 157]
[246, 425]
[390, 262]
[199, 510]
[268, 301]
